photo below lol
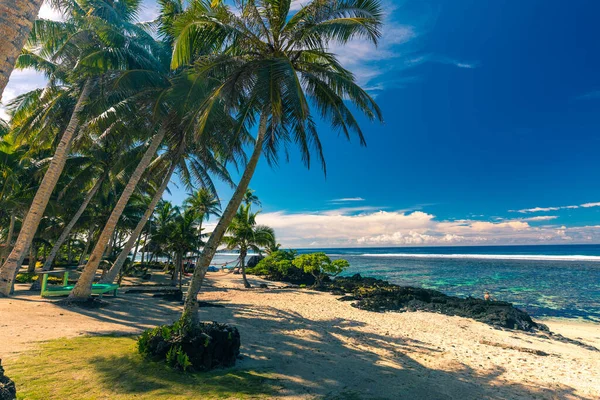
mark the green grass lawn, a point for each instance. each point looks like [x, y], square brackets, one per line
[111, 368]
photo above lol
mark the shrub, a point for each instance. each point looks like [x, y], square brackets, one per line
[320, 266]
[199, 347]
[278, 266]
[27, 277]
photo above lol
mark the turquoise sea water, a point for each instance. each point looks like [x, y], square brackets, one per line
[546, 281]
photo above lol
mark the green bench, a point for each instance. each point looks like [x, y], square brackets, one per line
[65, 289]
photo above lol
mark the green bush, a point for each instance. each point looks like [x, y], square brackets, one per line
[185, 347]
[27, 277]
[278, 266]
[320, 266]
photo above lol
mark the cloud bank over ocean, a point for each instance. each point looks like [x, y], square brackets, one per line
[353, 227]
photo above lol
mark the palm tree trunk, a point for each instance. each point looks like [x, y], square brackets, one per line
[16, 20]
[42, 196]
[137, 247]
[69, 252]
[243, 265]
[87, 245]
[67, 231]
[114, 271]
[32, 259]
[176, 268]
[83, 287]
[11, 232]
[190, 308]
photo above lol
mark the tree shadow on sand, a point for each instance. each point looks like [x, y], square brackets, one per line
[330, 359]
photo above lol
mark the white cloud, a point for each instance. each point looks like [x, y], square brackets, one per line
[588, 205]
[545, 209]
[540, 218]
[441, 60]
[344, 228]
[345, 199]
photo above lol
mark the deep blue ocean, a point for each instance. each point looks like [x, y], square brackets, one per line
[546, 281]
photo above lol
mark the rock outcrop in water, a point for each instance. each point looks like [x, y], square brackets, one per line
[8, 391]
[377, 295]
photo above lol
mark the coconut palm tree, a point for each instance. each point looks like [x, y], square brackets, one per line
[204, 202]
[16, 20]
[183, 237]
[243, 235]
[274, 68]
[96, 38]
[197, 148]
[251, 198]
[99, 159]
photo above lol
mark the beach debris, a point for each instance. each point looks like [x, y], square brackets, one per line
[8, 390]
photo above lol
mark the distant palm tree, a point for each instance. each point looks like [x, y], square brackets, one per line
[243, 235]
[205, 203]
[183, 237]
[272, 65]
[251, 198]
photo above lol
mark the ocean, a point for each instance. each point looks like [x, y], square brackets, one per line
[546, 281]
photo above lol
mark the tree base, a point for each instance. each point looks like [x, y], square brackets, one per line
[88, 303]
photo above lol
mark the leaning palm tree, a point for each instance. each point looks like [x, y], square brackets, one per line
[243, 235]
[16, 20]
[97, 38]
[274, 69]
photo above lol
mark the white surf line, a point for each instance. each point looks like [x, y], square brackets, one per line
[533, 257]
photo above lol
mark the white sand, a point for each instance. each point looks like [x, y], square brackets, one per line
[320, 347]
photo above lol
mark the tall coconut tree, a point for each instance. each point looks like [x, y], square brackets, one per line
[198, 144]
[98, 160]
[16, 20]
[243, 234]
[274, 69]
[96, 38]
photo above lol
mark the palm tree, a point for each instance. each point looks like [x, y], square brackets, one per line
[91, 42]
[99, 159]
[272, 65]
[16, 20]
[244, 235]
[205, 203]
[183, 238]
[251, 198]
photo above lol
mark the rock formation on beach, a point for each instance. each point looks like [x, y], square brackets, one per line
[377, 295]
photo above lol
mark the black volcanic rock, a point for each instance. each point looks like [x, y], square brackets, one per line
[376, 295]
[8, 390]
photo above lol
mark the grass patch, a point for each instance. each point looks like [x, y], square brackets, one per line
[111, 368]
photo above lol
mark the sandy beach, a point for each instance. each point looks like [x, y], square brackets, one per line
[320, 347]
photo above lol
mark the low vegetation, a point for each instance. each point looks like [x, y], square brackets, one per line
[196, 347]
[112, 368]
[307, 269]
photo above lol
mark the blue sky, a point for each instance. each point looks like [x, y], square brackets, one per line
[489, 107]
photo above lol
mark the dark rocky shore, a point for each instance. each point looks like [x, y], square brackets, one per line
[377, 295]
